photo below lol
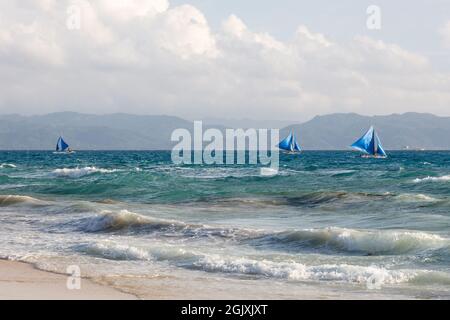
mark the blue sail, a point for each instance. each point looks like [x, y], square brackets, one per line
[370, 144]
[61, 145]
[296, 146]
[379, 148]
[289, 143]
[285, 144]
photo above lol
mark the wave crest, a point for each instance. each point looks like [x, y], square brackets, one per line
[366, 242]
[113, 251]
[10, 200]
[124, 219]
[288, 270]
[369, 275]
[419, 197]
[433, 179]
[80, 172]
[7, 165]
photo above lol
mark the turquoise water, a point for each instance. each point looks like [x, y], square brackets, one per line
[329, 223]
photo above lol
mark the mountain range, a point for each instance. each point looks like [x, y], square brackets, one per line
[152, 132]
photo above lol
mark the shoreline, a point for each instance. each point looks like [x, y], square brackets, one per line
[22, 281]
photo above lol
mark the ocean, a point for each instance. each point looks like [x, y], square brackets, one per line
[329, 225]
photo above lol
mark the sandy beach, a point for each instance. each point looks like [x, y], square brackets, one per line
[20, 281]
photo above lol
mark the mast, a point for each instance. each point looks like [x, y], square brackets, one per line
[375, 143]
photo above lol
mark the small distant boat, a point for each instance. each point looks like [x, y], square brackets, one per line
[289, 144]
[62, 146]
[370, 145]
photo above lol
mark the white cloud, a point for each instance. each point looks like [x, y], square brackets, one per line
[30, 43]
[145, 56]
[125, 10]
[184, 31]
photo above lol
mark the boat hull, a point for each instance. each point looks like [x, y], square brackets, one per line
[369, 156]
[290, 152]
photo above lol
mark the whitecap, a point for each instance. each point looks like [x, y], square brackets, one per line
[268, 172]
[7, 165]
[10, 200]
[364, 241]
[416, 197]
[110, 220]
[433, 179]
[80, 172]
[368, 275]
[113, 251]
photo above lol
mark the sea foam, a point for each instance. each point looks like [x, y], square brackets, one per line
[433, 179]
[123, 219]
[7, 165]
[369, 242]
[367, 275]
[80, 172]
[419, 197]
[215, 263]
[10, 200]
[113, 251]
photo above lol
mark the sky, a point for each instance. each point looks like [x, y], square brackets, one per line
[259, 59]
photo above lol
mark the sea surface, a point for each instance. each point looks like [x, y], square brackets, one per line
[329, 225]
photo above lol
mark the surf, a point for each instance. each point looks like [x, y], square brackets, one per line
[445, 178]
[80, 172]
[12, 200]
[7, 166]
[364, 242]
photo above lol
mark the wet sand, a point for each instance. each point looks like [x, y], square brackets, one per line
[21, 281]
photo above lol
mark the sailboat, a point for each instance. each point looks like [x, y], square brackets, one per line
[370, 145]
[289, 144]
[62, 146]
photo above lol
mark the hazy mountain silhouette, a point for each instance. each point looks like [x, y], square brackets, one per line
[138, 132]
[338, 131]
[85, 131]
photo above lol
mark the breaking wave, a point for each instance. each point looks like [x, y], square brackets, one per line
[113, 251]
[365, 242]
[288, 270]
[7, 165]
[127, 221]
[433, 179]
[386, 242]
[80, 172]
[319, 198]
[368, 275]
[123, 219]
[10, 200]
[410, 197]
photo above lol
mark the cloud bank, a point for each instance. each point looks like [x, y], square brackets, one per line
[146, 56]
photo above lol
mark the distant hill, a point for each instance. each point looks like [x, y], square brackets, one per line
[397, 131]
[147, 132]
[89, 132]
[247, 123]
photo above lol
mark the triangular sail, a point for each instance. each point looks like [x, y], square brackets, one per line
[61, 145]
[296, 146]
[379, 150]
[285, 144]
[370, 144]
[289, 143]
